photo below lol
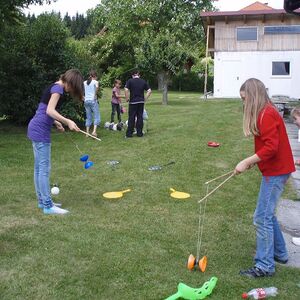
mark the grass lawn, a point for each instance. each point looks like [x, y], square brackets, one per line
[136, 247]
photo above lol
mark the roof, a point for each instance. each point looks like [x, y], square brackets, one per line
[257, 6]
[253, 11]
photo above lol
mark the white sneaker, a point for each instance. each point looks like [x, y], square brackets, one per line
[54, 210]
[40, 205]
[296, 241]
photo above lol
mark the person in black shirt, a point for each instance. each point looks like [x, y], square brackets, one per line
[136, 87]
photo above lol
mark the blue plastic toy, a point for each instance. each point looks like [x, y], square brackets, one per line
[88, 164]
[84, 158]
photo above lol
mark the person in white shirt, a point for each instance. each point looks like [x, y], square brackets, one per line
[91, 87]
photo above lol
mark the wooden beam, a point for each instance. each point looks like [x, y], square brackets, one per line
[226, 19]
[282, 18]
[245, 19]
[264, 18]
[206, 57]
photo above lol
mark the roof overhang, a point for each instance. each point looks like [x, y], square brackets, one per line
[209, 18]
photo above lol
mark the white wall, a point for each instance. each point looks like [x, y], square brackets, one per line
[231, 69]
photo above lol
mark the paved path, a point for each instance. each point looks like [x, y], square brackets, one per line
[288, 211]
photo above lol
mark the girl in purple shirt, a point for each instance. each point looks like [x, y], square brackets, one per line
[39, 130]
[116, 99]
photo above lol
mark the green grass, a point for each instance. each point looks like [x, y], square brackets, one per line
[136, 247]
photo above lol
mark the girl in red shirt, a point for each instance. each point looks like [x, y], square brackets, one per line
[274, 158]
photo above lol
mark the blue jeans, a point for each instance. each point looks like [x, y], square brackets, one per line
[42, 166]
[269, 239]
[92, 108]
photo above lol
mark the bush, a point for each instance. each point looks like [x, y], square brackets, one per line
[36, 56]
[191, 82]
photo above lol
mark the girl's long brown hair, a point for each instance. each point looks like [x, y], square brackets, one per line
[74, 79]
[92, 75]
[256, 98]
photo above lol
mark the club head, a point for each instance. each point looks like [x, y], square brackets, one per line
[84, 158]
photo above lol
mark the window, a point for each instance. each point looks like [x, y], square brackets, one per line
[280, 68]
[246, 34]
[292, 29]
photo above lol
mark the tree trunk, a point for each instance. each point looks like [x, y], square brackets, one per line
[160, 81]
[164, 81]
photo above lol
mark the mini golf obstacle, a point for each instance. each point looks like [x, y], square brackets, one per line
[186, 292]
[195, 262]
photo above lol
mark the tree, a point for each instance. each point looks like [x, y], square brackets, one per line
[162, 34]
[11, 11]
[32, 60]
[162, 55]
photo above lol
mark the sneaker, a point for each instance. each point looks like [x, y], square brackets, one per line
[296, 241]
[255, 272]
[40, 205]
[55, 211]
[128, 136]
[281, 261]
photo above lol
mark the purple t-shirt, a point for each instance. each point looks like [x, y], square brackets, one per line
[39, 127]
[114, 98]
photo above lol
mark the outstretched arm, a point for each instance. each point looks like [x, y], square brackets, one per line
[53, 113]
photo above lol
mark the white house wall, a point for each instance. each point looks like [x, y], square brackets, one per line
[231, 69]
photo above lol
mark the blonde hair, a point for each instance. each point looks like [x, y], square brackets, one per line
[74, 79]
[295, 112]
[256, 98]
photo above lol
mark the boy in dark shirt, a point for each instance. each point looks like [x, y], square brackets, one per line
[136, 87]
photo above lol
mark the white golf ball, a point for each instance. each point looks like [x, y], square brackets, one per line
[55, 190]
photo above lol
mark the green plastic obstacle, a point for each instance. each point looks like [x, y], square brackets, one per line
[188, 293]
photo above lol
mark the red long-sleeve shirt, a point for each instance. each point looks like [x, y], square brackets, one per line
[272, 146]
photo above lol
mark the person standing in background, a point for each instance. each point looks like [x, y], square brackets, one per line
[134, 93]
[91, 87]
[116, 99]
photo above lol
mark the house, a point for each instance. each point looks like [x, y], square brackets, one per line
[256, 41]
